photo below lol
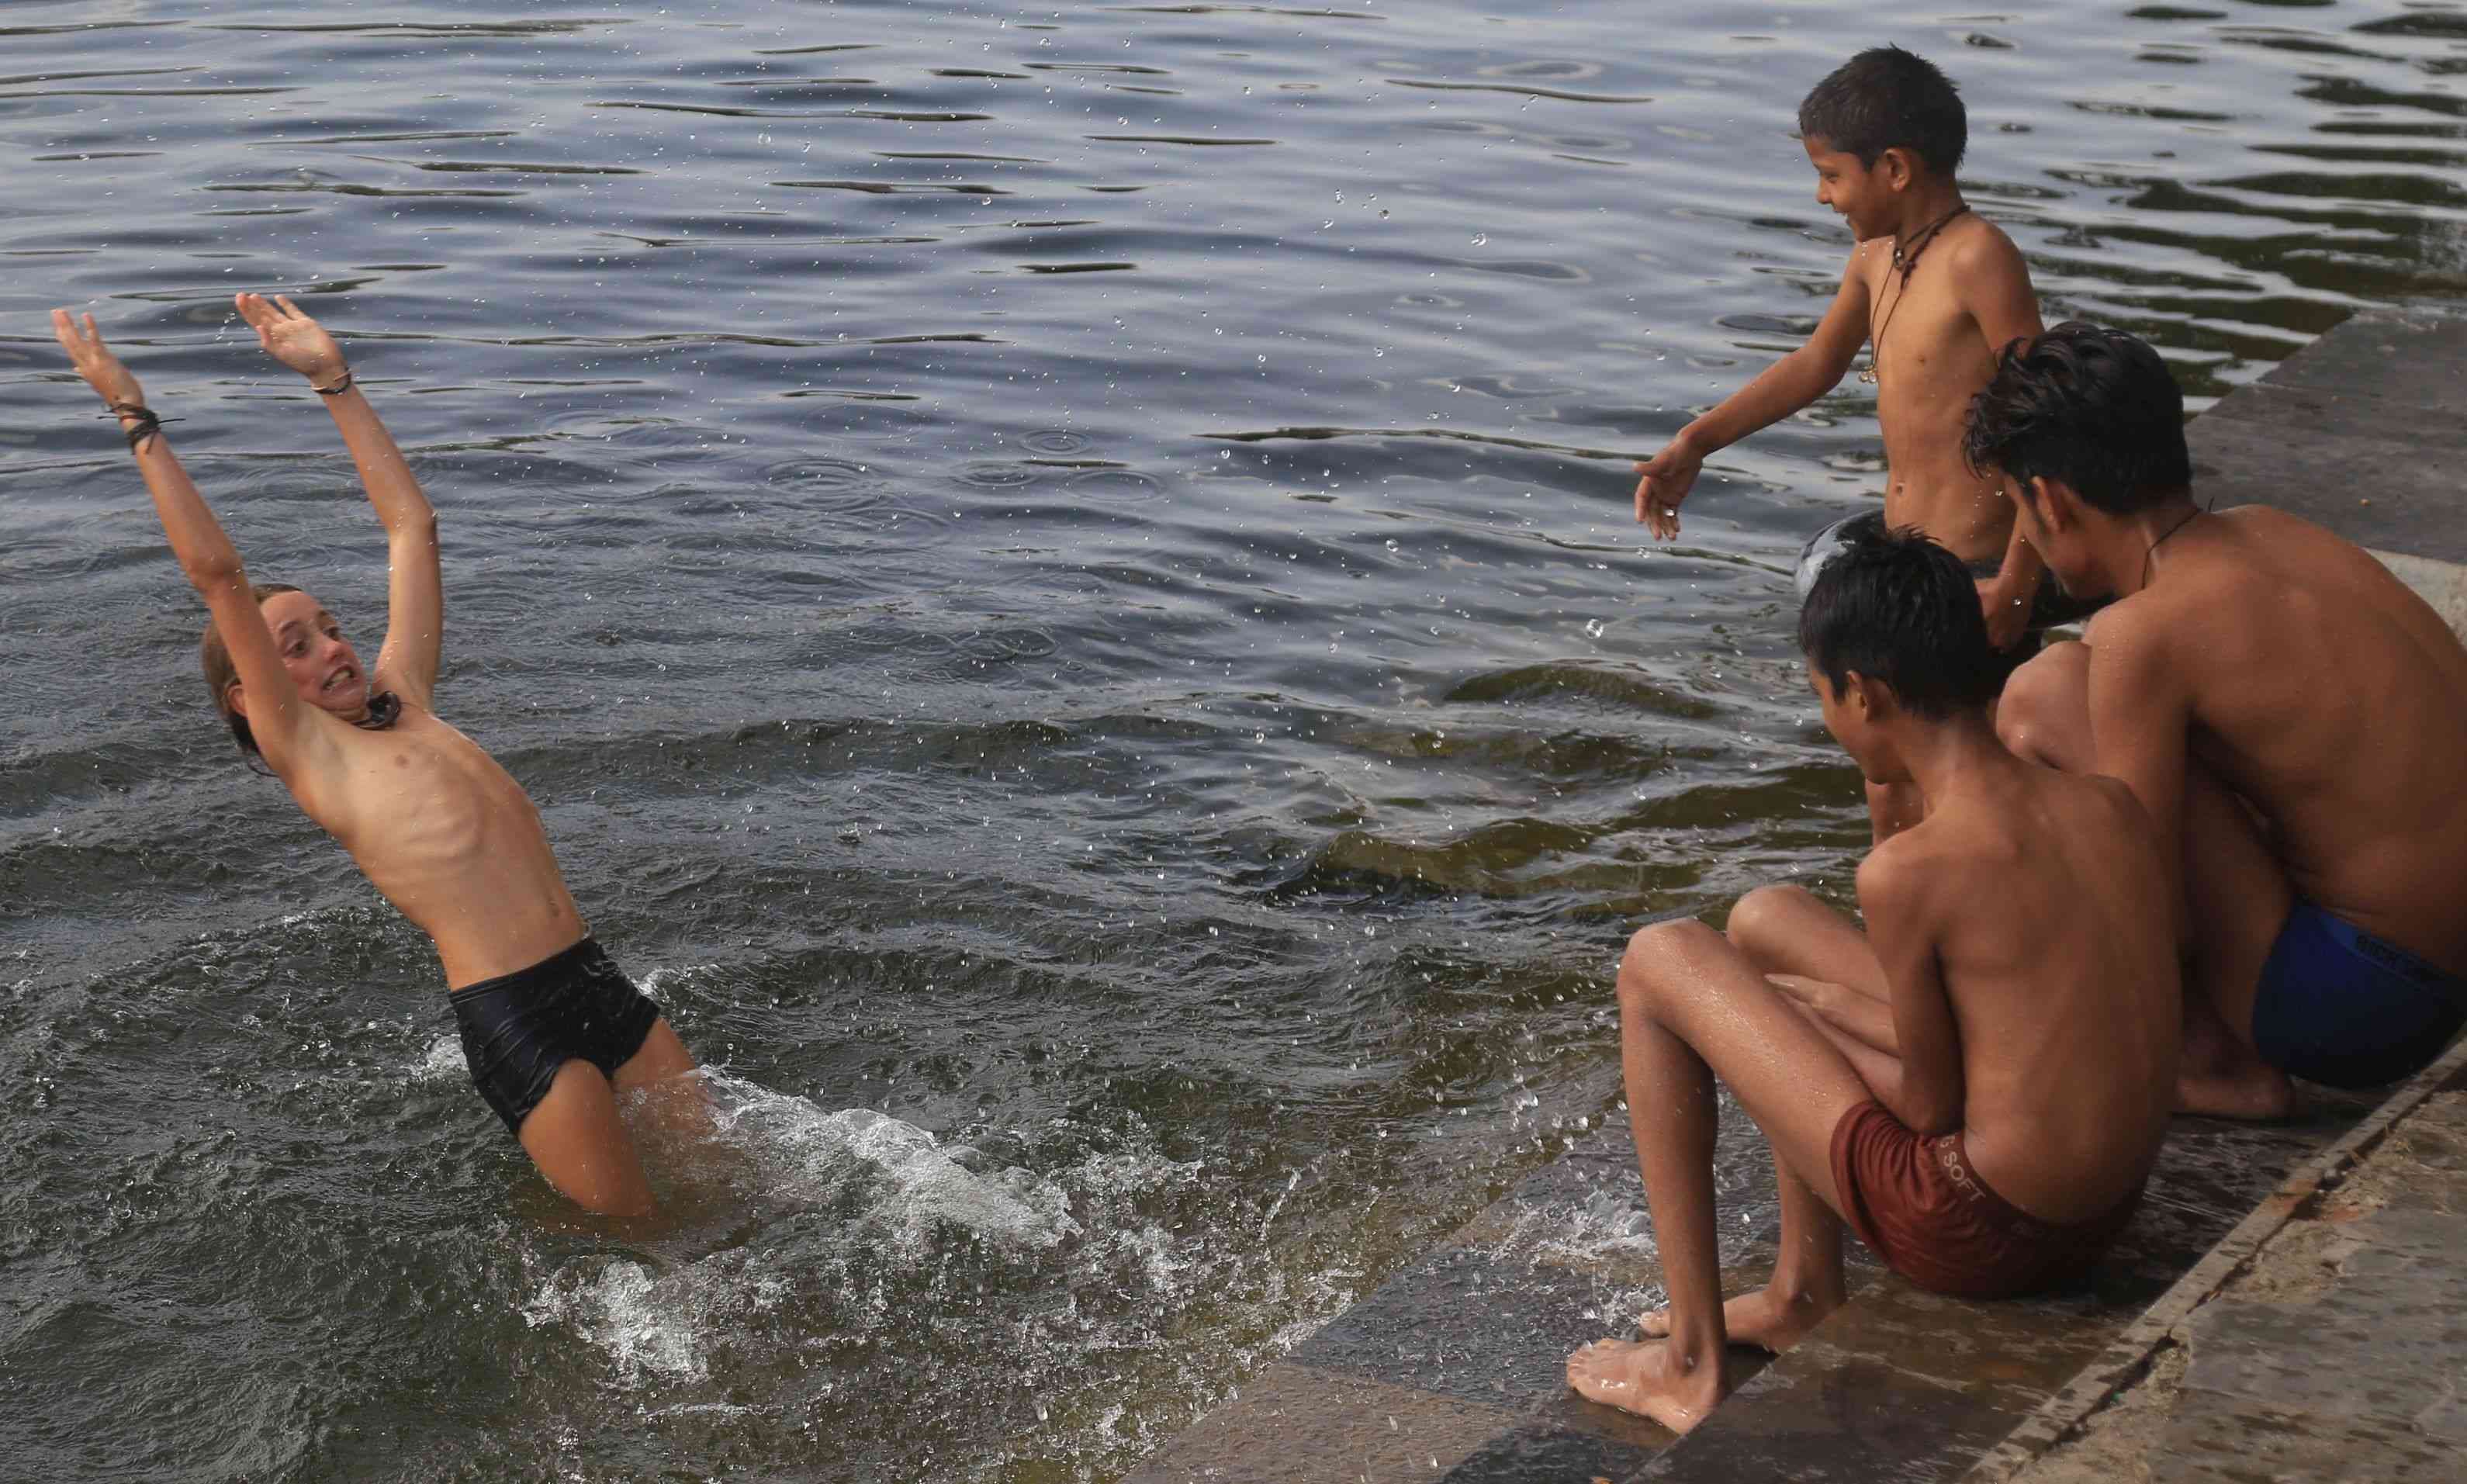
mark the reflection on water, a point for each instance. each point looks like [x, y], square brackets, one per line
[1063, 578]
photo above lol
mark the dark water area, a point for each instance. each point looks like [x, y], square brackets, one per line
[1063, 581]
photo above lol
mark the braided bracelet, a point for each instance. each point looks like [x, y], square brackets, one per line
[147, 424]
[336, 390]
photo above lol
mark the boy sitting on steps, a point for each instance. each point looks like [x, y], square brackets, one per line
[2291, 716]
[1978, 1084]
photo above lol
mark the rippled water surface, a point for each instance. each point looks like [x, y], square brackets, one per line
[1063, 580]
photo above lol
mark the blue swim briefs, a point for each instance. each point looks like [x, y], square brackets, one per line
[2342, 1007]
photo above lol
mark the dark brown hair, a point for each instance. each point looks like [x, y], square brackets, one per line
[1894, 606]
[1888, 99]
[221, 674]
[2092, 406]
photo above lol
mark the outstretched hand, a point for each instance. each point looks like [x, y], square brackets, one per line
[94, 360]
[1662, 483]
[292, 337]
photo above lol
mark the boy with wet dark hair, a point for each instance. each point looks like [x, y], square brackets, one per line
[2292, 715]
[1885, 98]
[1976, 1084]
[1938, 290]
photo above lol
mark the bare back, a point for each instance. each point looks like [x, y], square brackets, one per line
[2044, 896]
[448, 836]
[1932, 356]
[2334, 701]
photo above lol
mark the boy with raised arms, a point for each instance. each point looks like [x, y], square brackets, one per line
[1937, 290]
[2290, 713]
[1977, 1084]
[552, 1030]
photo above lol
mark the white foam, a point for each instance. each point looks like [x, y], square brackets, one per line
[441, 1063]
[901, 1176]
[884, 1185]
[648, 1327]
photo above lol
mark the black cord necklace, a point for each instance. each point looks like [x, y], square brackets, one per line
[2163, 540]
[385, 708]
[1905, 259]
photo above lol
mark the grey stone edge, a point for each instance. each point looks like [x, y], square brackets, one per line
[2125, 1359]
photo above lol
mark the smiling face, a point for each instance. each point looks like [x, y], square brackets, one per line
[322, 665]
[1863, 195]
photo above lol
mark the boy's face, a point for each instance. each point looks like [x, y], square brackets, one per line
[1846, 716]
[324, 667]
[2056, 535]
[1862, 195]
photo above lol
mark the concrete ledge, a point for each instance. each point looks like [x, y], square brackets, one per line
[2123, 1360]
[2442, 584]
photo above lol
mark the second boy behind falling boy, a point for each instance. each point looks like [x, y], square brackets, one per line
[1939, 291]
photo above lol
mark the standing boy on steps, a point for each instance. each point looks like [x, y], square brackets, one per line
[1977, 1084]
[1938, 290]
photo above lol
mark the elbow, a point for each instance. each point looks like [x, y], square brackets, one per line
[207, 573]
[415, 533]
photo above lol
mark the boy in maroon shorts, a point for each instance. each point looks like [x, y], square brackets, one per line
[1978, 1082]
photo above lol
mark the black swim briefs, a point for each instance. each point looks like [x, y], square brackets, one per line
[518, 1029]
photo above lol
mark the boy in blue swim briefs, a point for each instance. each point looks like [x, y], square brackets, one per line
[2292, 715]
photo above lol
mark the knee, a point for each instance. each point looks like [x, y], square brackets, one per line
[1658, 954]
[2040, 694]
[1756, 921]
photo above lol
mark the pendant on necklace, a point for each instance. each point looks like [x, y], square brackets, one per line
[1868, 375]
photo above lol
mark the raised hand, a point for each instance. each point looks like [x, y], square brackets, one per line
[1664, 482]
[292, 337]
[94, 362]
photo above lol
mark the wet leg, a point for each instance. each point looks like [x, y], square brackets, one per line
[2238, 897]
[660, 1071]
[578, 1143]
[2043, 714]
[1790, 931]
[1806, 1282]
[1691, 1004]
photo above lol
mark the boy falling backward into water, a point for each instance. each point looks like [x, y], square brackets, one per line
[2293, 716]
[2018, 957]
[551, 1028]
[1938, 290]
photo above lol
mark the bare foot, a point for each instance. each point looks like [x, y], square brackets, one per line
[2253, 1090]
[1635, 1378]
[1767, 1318]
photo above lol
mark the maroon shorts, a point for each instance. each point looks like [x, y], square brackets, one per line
[1919, 1206]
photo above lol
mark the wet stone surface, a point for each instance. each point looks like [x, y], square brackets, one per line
[1901, 1383]
[2364, 1383]
[2359, 432]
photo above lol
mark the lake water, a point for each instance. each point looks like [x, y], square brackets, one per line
[1063, 580]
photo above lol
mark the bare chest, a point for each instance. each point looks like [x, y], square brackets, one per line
[419, 797]
[1922, 341]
